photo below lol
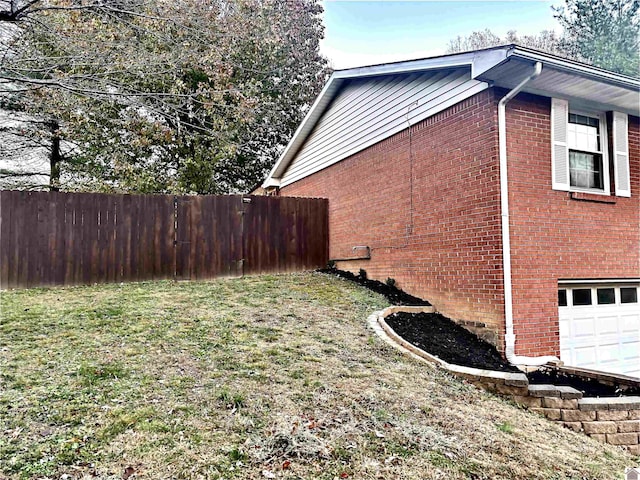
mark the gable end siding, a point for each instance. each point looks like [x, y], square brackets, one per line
[366, 111]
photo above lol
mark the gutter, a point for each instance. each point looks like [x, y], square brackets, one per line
[510, 337]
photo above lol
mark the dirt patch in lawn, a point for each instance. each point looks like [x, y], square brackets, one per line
[394, 295]
[448, 341]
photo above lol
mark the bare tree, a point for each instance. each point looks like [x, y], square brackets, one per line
[547, 41]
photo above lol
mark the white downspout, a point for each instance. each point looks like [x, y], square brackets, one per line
[510, 338]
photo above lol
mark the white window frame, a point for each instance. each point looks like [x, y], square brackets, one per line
[560, 176]
[604, 152]
[568, 288]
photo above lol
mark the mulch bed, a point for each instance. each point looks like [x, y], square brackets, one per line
[448, 341]
[590, 387]
[392, 293]
[445, 339]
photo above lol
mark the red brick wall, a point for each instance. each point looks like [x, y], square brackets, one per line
[555, 237]
[449, 249]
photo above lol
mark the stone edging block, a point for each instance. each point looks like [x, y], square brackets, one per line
[615, 403]
[489, 376]
[408, 309]
[569, 393]
[544, 391]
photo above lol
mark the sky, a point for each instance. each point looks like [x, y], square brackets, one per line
[361, 33]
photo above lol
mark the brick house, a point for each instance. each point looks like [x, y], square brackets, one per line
[502, 185]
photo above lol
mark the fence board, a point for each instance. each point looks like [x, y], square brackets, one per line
[111, 238]
[32, 254]
[5, 233]
[288, 235]
[52, 238]
[183, 235]
[135, 238]
[102, 239]
[71, 242]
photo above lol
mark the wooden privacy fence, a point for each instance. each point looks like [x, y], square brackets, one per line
[52, 238]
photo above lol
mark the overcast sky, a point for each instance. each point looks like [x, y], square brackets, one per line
[369, 32]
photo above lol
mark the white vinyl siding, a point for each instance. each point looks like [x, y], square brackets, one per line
[621, 154]
[369, 110]
[559, 148]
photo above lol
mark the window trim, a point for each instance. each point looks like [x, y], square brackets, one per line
[603, 132]
[615, 162]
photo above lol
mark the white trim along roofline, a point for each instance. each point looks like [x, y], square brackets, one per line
[574, 67]
[482, 64]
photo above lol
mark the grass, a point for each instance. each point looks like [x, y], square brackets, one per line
[244, 378]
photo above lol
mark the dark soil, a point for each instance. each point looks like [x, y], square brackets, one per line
[447, 340]
[590, 387]
[392, 293]
[450, 342]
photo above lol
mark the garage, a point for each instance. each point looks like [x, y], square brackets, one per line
[600, 326]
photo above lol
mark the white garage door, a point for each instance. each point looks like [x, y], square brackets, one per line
[600, 327]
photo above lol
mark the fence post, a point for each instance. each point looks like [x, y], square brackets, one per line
[175, 238]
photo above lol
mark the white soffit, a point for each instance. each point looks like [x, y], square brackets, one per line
[621, 94]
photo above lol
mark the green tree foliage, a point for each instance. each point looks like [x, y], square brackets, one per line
[604, 33]
[158, 96]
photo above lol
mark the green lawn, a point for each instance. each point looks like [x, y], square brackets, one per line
[261, 377]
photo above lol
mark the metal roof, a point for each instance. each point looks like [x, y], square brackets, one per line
[505, 66]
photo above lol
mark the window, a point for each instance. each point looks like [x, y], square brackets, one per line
[580, 154]
[562, 298]
[629, 295]
[606, 296]
[586, 169]
[581, 296]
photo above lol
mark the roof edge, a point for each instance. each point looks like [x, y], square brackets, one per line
[305, 127]
[453, 60]
[480, 62]
[573, 66]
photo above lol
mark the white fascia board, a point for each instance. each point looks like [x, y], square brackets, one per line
[487, 59]
[571, 66]
[447, 61]
[271, 182]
